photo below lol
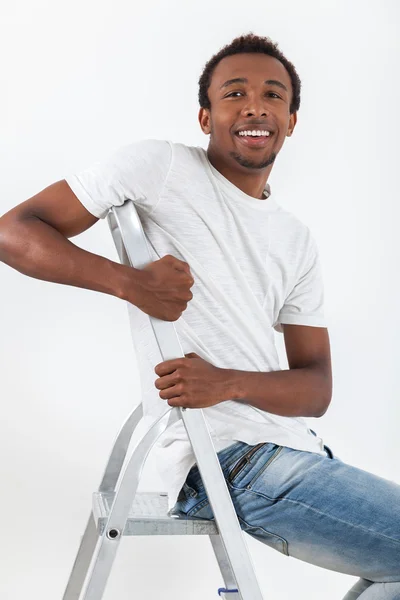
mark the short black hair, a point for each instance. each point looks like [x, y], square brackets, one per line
[249, 43]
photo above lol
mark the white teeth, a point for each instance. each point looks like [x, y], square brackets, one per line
[254, 133]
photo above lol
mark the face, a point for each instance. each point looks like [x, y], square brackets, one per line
[248, 105]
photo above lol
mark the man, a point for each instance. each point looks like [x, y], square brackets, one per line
[214, 226]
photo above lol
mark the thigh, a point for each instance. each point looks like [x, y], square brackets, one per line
[311, 507]
[235, 460]
[329, 513]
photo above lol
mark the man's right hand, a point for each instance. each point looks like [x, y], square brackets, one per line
[162, 288]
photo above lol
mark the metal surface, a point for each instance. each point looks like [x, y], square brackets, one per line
[148, 516]
[118, 510]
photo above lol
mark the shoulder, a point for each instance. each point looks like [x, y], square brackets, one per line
[144, 149]
[166, 151]
[181, 151]
[293, 232]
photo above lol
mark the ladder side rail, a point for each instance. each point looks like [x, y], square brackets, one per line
[121, 444]
[137, 252]
[82, 561]
[96, 553]
[119, 451]
[99, 568]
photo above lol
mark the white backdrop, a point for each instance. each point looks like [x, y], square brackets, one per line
[80, 79]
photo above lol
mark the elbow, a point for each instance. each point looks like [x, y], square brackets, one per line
[323, 407]
[323, 392]
[6, 242]
[3, 242]
[5, 227]
[12, 238]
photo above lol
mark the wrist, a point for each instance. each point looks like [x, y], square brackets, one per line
[126, 282]
[233, 383]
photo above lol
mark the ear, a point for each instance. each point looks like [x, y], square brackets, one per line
[204, 120]
[292, 124]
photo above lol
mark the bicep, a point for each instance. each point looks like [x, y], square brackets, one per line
[308, 346]
[58, 206]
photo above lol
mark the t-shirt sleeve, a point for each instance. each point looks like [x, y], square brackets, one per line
[137, 171]
[304, 304]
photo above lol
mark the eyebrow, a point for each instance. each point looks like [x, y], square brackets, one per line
[244, 80]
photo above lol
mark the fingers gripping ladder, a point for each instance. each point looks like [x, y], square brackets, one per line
[118, 510]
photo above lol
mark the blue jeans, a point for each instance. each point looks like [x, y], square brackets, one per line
[314, 508]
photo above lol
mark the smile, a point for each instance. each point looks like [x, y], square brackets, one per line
[254, 141]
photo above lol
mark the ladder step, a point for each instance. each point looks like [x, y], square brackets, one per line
[148, 516]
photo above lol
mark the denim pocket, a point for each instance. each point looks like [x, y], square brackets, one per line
[243, 461]
[230, 456]
[265, 466]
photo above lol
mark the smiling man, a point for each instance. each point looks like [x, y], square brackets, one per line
[214, 226]
[244, 146]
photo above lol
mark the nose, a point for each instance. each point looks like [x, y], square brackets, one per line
[255, 107]
[255, 111]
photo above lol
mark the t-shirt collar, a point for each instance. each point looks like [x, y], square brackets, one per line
[236, 193]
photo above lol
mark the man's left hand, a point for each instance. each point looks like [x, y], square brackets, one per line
[191, 382]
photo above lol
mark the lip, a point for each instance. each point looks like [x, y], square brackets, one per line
[254, 142]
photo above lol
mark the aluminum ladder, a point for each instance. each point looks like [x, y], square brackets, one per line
[117, 508]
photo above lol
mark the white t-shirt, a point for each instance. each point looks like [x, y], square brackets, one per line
[255, 265]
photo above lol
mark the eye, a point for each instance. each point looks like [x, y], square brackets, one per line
[231, 94]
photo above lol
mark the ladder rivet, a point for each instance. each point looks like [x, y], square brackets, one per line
[113, 533]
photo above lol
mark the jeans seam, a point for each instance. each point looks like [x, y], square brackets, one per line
[191, 492]
[285, 542]
[371, 531]
[197, 507]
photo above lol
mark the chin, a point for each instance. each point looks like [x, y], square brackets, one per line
[253, 162]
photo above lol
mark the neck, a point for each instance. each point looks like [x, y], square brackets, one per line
[250, 181]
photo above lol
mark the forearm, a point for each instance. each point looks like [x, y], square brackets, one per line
[304, 392]
[38, 250]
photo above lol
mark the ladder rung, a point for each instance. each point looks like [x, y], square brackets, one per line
[148, 516]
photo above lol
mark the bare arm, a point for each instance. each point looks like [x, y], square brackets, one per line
[34, 241]
[305, 389]
[289, 392]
